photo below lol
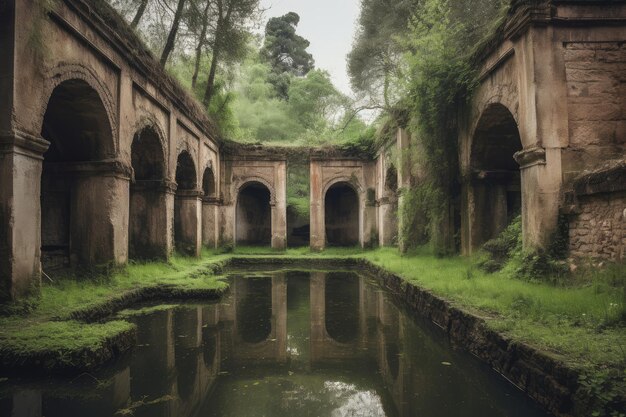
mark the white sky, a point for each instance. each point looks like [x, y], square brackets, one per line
[329, 25]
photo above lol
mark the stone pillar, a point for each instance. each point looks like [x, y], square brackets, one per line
[99, 206]
[210, 213]
[188, 221]
[318, 235]
[388, 221]
[279, 207]
[404, 177]
[20, 214]
[150, 222]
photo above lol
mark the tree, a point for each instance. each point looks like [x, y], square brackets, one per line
[140, 11]
[285, 52]
[314, 100]
[171, 37]
[229, 38]
[204, 26]
[375, 61]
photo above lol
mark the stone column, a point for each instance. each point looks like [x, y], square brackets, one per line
[318, 235]
[20, 214]
[210, 212]
[150, 222]
[279, 207]
[388, 221]
[404, 177]
[99, 206]
[188, 221]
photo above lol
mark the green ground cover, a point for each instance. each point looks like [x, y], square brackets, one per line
[580, 321]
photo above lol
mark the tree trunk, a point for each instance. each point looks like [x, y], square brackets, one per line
[205, 24]
[208, 93]
[139, 14]
[222, 22]
[171, 37]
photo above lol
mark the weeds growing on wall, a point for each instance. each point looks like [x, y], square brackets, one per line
[441, 40]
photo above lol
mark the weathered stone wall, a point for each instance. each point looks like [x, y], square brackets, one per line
[596, 98]
[599, 230]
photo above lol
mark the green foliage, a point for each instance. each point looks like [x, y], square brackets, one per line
[502, 248]
[375, 62]
[606, 389]
[441, 39]
[285, 52]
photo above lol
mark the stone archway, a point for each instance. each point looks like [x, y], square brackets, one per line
[342, 215]
[495, 181]
[148, 237]
[78, 184]
[210, 203]
[187, 208]
[253, 223]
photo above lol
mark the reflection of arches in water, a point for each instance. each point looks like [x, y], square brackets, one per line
[341, 215]
[254, 309]
[186, 350]
[392, 350]
[152, 370]
[209, 345]
[342, 306]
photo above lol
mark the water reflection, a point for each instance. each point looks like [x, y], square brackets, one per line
[282, 344]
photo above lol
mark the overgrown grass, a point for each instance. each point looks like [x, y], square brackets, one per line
[584, 323]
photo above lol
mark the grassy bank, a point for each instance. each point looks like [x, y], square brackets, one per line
[43, 333]
[581, 323]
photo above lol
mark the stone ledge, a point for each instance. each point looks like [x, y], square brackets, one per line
[609, 178]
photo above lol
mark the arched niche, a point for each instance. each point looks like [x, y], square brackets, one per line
[148, 205]
[495, 175]
[342, 215]
[187, 208]
[253, 222]
[77, 126]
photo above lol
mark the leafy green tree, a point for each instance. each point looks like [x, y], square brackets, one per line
[375, 63]
[314, 100]
[285, 52]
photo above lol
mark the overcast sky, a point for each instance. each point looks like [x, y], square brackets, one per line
[329, 25]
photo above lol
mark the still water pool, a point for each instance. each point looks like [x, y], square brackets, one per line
[281, 344]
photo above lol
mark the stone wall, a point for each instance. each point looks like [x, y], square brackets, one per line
[597, 223]
[599, 230]
[596, 87]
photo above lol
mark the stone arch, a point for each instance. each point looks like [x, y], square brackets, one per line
[237, 186]
[76, 228]
[148, 205]
[149, 121]
[63, 73]
[186, 176]
[391, 179]
[253, 213]
[494, 173]
[209, 185]
[341, 227]
[187, 207]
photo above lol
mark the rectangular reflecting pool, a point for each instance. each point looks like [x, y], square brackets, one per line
[280, 343]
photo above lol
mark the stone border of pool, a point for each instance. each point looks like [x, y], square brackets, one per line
[544, 378]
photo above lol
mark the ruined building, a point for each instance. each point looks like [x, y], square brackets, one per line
[104, 158]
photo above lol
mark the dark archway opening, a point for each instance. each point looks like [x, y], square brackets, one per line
[342, 306]
[254, 215]
[342, 215]
[185, 215]
[147, 201]
[208, 183]
[77, 126]
[496, 177]
[391, 179]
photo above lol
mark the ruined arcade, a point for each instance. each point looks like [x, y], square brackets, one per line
[105, 158]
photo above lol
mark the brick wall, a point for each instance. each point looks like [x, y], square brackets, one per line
[598, 230]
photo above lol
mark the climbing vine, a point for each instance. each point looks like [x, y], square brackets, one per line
[442, 40]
